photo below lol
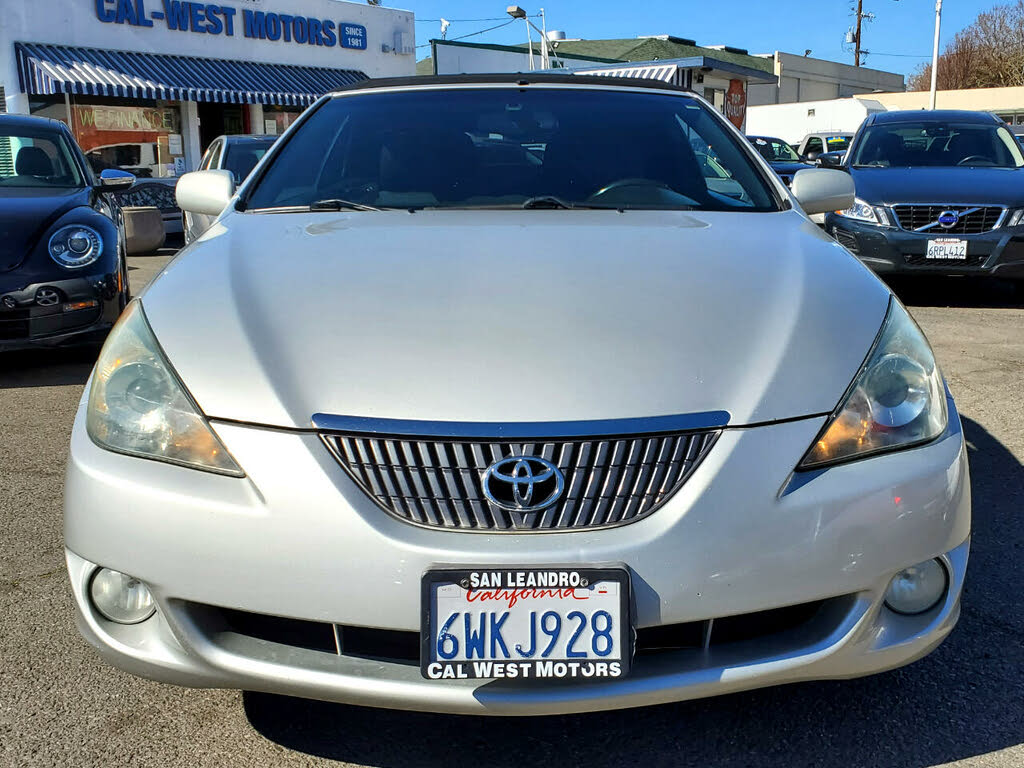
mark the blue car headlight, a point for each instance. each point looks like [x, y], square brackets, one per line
[75, 246]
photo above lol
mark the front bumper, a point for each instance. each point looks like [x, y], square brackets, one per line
[35, 322]
[888, 250]
[297, 539]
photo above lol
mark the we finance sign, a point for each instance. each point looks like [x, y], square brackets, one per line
[226, 20]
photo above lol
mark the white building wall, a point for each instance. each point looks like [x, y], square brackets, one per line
[802, 78]
[465, 60]
[389, 32]
[791, 122]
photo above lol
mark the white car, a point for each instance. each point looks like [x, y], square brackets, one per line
[476, 398]
[237, 154]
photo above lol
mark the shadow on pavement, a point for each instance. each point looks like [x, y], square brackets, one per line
[47, 367]
[937, 291]
[963, 700]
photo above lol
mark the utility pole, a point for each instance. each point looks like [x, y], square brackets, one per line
[856, 35]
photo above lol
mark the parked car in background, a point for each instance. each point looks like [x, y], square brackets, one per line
[937, 192]
[1018, 133]
[573, 427]
[814, 144]
[63, 277]
[147, 192]
[237, 154]
[780, 156]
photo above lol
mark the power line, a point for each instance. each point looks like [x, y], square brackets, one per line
[901, 55]
[472, 34]
[453, 21]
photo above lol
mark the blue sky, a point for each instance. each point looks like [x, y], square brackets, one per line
[902, 27]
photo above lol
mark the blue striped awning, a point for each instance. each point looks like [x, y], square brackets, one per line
[52, 69]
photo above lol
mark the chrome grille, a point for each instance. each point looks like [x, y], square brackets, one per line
[438, 482]
[973, 219]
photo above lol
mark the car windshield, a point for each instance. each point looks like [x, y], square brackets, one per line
[902, 145]
[836, 143]
[774, 150]
[537, 147]
[241, 157]
[32, 157]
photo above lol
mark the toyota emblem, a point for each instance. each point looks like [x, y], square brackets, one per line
[523, 483]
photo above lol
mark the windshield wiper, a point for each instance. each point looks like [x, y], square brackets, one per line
[546, 201]
[552, 202]
[336, 204]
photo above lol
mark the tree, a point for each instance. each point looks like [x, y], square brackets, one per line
[987, 54]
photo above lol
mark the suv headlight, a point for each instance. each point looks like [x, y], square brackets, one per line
[75, 246]
[861, 211]
[896, 400]
[138, 406]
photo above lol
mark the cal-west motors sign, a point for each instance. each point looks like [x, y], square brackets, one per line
[225, 20]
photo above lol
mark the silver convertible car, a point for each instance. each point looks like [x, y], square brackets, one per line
[482, 395]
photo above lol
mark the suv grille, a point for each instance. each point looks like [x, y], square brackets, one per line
[973, 219]
[439, 482]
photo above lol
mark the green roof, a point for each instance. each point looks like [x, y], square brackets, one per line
[653, 49]
[626, 49]
[425, 66]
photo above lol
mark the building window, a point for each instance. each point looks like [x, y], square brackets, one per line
[141, 137]
[277, 119]
[717, 97]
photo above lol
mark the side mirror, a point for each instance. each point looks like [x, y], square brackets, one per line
[820, 190]
[115, 180]
[830, 159]
[205, 192]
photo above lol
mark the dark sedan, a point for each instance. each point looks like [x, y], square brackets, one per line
[780, 156]
[63, 277]
[937, 192]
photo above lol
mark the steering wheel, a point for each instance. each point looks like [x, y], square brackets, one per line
[637, 182]
[969, 158]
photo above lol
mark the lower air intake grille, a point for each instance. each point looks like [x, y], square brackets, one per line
[439, 482]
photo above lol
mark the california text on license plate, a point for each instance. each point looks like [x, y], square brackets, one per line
[946, 248]
[526, 624]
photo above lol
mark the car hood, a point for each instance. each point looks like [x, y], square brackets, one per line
[789, 166]
[510, 316]
[984, 186]
[26, 212]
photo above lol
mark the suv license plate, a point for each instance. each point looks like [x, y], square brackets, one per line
[526, 623]
[946, 248]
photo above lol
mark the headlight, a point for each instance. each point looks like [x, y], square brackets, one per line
[861, 211]
[1015, 218]
[138, 406]
[896, 400]
[75, 246]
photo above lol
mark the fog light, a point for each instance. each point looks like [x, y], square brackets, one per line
[120, 597]
[918, 588]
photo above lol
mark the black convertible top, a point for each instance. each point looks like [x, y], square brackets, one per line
[514, 78]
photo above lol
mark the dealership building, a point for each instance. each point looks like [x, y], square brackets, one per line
[147, 84]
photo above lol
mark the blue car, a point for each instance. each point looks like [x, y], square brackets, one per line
[937, 193]
[63, 278]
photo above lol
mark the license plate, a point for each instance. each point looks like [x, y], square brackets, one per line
[526, 624]
[946, 248]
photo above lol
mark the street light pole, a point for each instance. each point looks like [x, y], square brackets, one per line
[935, 52]
[545, 60]
[545, 57]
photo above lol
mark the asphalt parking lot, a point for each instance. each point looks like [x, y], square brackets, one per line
[963, 705]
